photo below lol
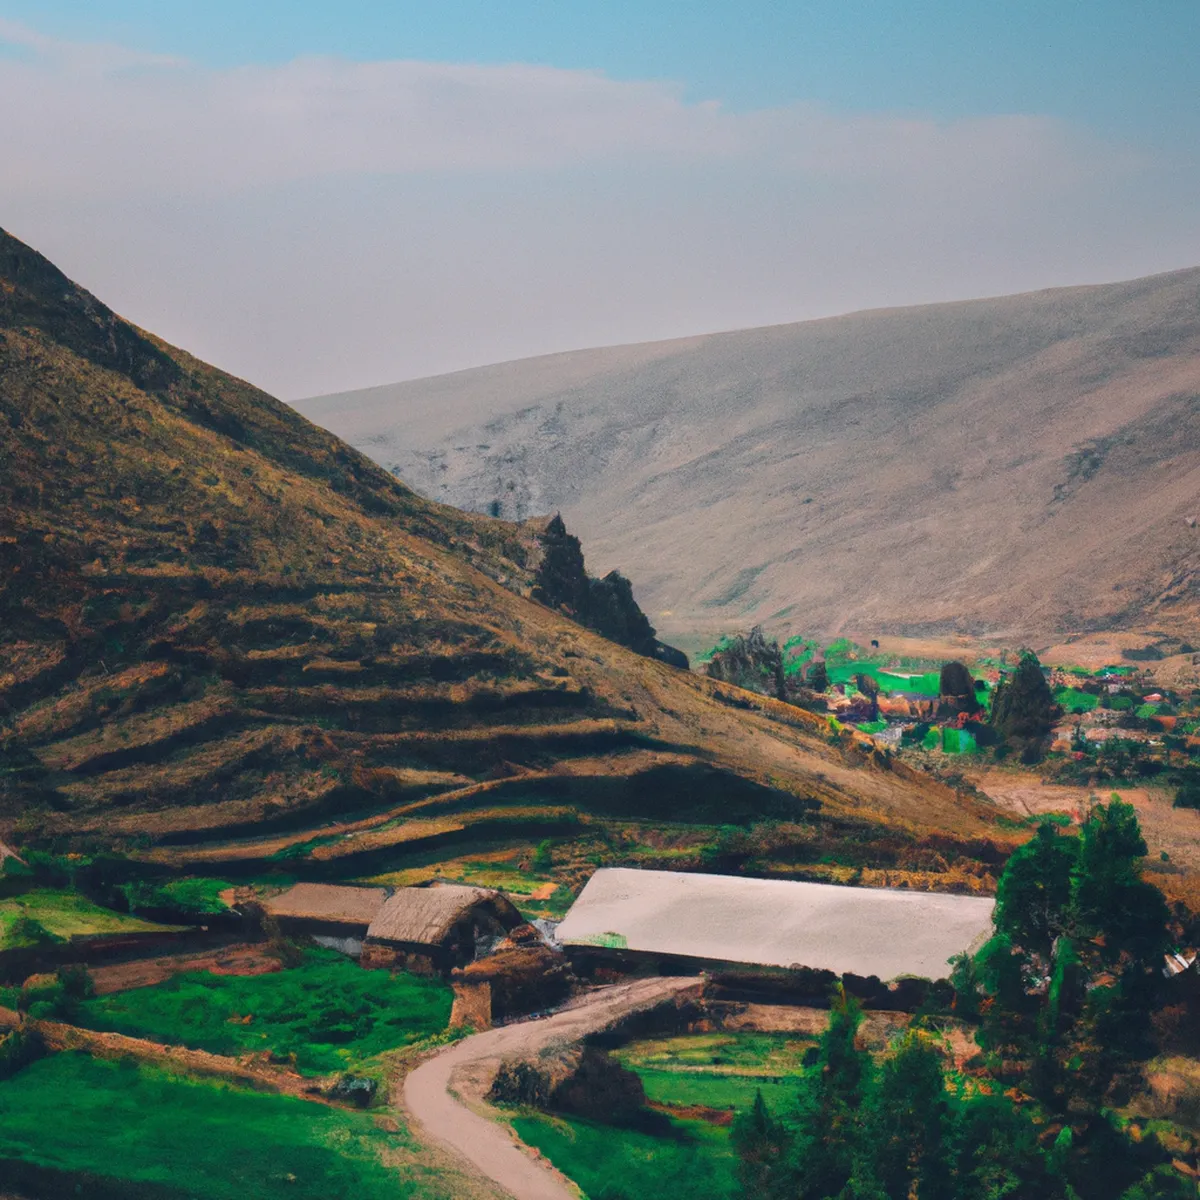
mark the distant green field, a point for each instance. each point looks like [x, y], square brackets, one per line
[925, 684]
[1075, 700]
[202, 1141]
[329, 1012]
[67, 914]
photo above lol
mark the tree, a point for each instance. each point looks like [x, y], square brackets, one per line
[1110, 900]
[1023, 708]
[997, 1156]
[818, 676]
[1034, 891]
[956, 689]
[905, 1147]
[761, 1143]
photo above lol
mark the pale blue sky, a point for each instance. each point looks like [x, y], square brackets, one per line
[420, 199]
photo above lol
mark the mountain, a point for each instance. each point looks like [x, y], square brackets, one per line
[1021, 466]
[226, 636]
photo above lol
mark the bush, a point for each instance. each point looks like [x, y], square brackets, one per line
[520, 1083]
[1188, 796]
[26, 931]
[19, 1049]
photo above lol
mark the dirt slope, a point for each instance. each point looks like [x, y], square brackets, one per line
[1022, 465]
[219, 624]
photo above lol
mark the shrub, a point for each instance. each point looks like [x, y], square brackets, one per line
[19, 1049]
[26, 931]
[520, 1083]
[1188, 796]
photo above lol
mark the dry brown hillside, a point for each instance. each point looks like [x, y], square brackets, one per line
[1018, 466]
[225, 636]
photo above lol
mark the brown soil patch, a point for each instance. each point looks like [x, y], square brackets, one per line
[695, 1112]
[232, 960]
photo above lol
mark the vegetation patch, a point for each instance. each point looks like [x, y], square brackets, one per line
[63, 914]
[180, 1138]
[327, 1013]
[685, 1158]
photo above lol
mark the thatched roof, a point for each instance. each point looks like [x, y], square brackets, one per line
[328, 902]
[887, 932]
[424, 916]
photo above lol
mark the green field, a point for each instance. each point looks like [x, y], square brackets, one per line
[67, 914]
[692, 1159]
[328, 1012]
[200, 1140]
[719, 1070]
[926, 683]
[1075, 700]
[685, 1157]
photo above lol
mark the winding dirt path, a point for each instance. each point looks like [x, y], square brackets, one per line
[444, 1096]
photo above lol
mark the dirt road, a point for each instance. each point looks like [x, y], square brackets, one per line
[444, 1096]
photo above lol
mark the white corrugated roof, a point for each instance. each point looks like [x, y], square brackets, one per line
[886, 932]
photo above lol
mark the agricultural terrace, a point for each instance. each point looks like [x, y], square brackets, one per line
[326, 1014]
[55, 914]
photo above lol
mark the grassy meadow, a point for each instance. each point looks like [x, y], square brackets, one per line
[328, 1012]
[181, 1138]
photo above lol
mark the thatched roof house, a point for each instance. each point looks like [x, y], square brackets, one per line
[326, 908]
[446, 924]
[672, 920]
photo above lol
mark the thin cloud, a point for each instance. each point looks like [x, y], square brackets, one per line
[324, 224]
[98, 119]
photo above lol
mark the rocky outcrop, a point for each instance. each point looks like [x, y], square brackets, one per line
[605, 605]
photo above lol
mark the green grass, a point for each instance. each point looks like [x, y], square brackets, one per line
[927, 683]
[716, 1090]
[196, 895]
[329, 1012]
[201, 1140]
[694, 1161]
[1075, 700]
[68, 914]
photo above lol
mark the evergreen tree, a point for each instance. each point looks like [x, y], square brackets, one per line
[905, 1149]
[818, 676]
[1034, 891]
[1023, 708]
[997, 1156]
[761, 1144]
[828, 1138]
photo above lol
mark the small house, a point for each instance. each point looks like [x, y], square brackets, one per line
[431, 930]
[333, 915]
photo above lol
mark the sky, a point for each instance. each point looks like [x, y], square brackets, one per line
[320, 197]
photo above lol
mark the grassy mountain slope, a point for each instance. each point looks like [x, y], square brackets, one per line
[227, 636]
[1022, 465]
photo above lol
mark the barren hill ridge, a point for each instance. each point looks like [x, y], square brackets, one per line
[1022, 465]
